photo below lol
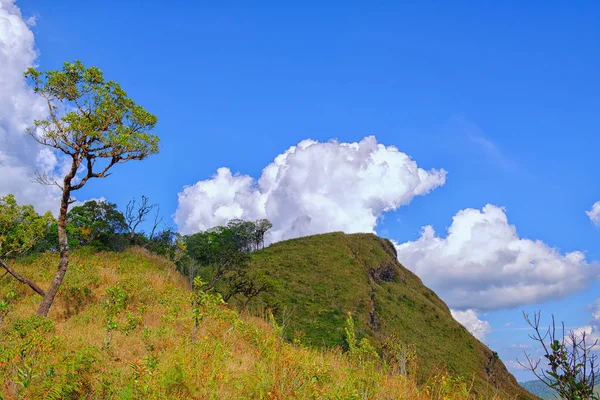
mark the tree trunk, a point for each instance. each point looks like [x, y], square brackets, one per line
[63, 246]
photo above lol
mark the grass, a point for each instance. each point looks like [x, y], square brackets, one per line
[322, 277]
[123, 328]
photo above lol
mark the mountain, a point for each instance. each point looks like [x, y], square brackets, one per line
[540, 389]
[320, 278]
[544, 392]
[122, 327]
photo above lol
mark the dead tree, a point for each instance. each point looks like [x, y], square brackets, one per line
[571, 366]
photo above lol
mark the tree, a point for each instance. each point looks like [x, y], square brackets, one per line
[249, 285]
[249, 236]
[98, 223]
[261, 228]
[223, 253]
[218, 250]
[242, 233]
[20, 229]
[96, 125]
[572, 368]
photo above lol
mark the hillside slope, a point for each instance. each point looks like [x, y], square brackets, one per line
[122, 328]
[323, 277]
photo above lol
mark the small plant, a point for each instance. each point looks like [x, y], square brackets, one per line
[77, 294]
[444, 386]
[6, 304]
[572, 368]
[132, 321]
[277, 328]
[401, 357]
[363, 352]
[115, 302]
[174, 382]
[203, 302]
[25, 376]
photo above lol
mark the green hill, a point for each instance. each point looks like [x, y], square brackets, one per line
[544, 392]
[539, 389]
[322, 277]
[122, 328]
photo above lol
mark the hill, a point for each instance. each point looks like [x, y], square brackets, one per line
[544, 392]
[539, 389]
[322, 277]
[122, 328]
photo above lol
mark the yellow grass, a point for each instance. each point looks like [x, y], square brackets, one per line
[151, 354]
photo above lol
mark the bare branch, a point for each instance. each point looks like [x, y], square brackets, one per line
[158, 219]
[135, 216]
[43, 178]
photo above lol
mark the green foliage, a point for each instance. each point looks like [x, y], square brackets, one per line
[20, 227]
[399, 355]
[32, 328]
[7, 303]
[203, 302]
[101, 120]
[115, 303]
[223, 254]
[98, 224]
[166, 243]
[363, 351]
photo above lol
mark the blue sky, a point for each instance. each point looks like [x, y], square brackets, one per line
[503, 96]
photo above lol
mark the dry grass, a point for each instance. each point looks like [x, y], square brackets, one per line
[151, 354]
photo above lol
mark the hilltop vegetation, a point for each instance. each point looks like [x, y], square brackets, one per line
[318, 279]
[122, 328]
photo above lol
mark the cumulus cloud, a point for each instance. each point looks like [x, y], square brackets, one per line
[311, 188]
[20, 156]
[514, 365]
[470, 320]
[592, 336]
[594, 213]
[591, 331]
[483, 264]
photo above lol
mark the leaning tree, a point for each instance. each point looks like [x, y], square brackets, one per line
[20, 229]
[95, 125]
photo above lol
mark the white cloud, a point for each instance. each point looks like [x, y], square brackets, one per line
[471, 321]
[514, 365]
[483, 264]
[592, 336]
[20, 155]
[594, 213]
[311, 188]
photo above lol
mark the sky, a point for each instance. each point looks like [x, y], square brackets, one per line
[467, 134]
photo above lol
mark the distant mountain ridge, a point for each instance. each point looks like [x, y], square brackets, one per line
[540, 389]
[544, 392]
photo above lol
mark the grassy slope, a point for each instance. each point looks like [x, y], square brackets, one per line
[324, 276]
[152, 355]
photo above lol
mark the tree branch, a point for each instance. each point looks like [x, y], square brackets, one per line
[22, 279]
